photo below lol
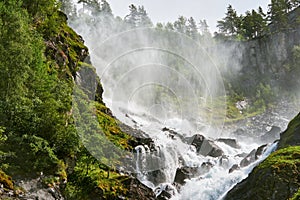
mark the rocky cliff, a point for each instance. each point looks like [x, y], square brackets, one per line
[277, 177]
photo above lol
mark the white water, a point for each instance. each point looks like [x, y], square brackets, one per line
[212, 185]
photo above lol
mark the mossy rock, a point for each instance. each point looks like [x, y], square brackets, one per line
[276, 178]
[6, 181]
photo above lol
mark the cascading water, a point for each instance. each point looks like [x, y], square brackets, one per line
[175, 153]
[171, 87]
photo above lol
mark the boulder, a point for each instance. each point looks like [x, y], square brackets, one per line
[260, 150]
[253, 156]
[185, 173]
[137, 190]
[206, 147]
[233, 168]
[250, 158]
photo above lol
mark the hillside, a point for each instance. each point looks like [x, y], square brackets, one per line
[41, 155]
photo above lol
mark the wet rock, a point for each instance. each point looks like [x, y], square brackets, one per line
[253, 156]
[215, 151]
[164, 195]
[233, 168]
[165, 192]
[277, 177]
[271, 135]
[230, 142]
[206, 147]
[260, 150]
[185, 173]
[156, 177]
[196, 140]
[136, 190]
[239, 132]
[250, 158]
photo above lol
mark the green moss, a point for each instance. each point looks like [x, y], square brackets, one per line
[287, 158]
[111, 128]
[91, 180]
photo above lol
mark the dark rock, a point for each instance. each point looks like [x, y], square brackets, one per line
[230, 142]
[164, 195]
[291, 136]
[250, 158]
[233, 168]
[196, 140]
[260, 150]
[271, 135]
[185, 173]
[215, 151]
[191, 172]
[136, 190]
[206, 147]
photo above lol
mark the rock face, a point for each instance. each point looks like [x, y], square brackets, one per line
[253, 156]
[136, 190]
[278, 176]
[291, 136]
[271, 135]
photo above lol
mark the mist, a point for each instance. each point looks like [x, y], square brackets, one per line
[160, 72]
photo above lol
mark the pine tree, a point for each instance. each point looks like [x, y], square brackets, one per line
[204, 27]
[231, 24]
[105, 8]
[277, 13]
[192, 29]
[132, 17]
[180, 25]
[143, 18]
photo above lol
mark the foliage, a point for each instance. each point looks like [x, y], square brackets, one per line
[138, 17]
[230, 25]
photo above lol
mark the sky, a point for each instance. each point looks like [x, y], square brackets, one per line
[170, 10]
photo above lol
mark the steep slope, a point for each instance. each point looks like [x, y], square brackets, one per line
[277, 177]
[41, 155]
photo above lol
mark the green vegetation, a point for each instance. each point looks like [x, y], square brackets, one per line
[38, 65]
